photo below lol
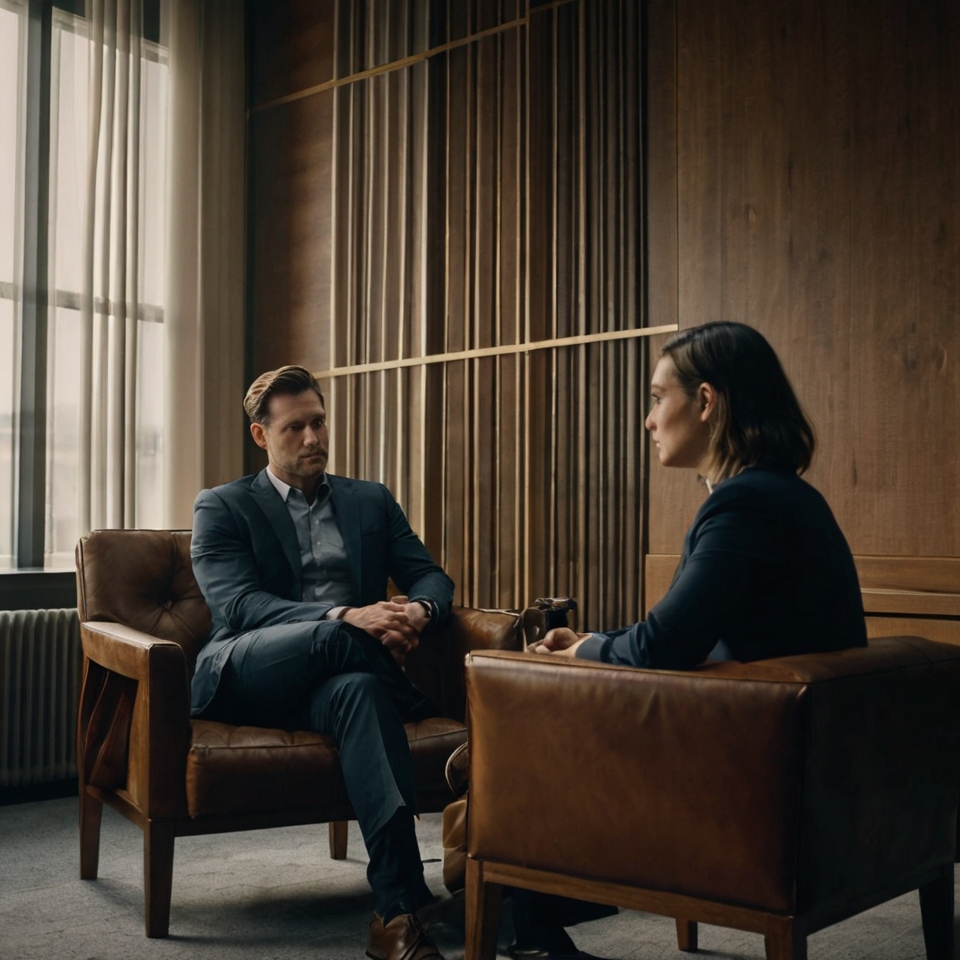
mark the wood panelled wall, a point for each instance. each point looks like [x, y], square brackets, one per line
[439, 191]
[455, 178]
[804, 174]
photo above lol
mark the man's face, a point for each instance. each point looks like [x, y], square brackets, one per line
[295, 438]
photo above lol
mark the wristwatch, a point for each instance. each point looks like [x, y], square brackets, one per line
[427, 607]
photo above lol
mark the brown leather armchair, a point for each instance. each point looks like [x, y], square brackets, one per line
[143, 619]
[778, 796]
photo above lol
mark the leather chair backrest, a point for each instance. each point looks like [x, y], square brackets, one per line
[436, 665]
[143, 579]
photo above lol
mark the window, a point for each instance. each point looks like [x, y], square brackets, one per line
[13, 32]
[42, 431]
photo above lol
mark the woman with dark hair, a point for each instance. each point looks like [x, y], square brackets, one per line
[765, 570]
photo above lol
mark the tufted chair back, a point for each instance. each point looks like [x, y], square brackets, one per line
[144, 579]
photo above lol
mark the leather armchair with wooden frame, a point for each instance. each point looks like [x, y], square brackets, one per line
[779, 796]
[143, 620]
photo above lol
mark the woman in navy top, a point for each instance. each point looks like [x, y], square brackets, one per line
[765, 570]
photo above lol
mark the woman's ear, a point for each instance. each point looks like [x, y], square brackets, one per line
[708, 400]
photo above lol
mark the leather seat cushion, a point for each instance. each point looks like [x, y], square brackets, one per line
[247, 770]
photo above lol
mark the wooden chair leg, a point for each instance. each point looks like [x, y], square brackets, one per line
[785, 939]
[936, 909]
[482, 901]
[338, 839]
[687, 936]
[157, 876]
[91, 814]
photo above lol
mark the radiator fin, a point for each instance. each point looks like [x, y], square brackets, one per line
[40, 667]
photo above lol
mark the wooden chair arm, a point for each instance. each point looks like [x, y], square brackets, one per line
[133, 728]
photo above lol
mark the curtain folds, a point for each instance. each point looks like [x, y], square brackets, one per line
[205, 333]
[109, 296]
[202, 310]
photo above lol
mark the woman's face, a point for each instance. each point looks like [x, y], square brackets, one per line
[679, 425]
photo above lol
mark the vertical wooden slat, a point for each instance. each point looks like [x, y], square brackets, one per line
[471, 506]
[585, 500]
[416, 213]
[338, 228]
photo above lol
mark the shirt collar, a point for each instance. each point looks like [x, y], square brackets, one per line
[284, 488]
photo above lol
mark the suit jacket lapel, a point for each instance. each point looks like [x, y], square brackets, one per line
[347, 508]
[278, 516]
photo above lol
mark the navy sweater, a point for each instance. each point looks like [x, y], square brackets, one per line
[765, 572]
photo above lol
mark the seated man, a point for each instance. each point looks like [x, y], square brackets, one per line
[293, 563]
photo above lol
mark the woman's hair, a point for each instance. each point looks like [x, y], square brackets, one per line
[291, 380]
[758, 418]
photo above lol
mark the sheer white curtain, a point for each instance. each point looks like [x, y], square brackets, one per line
[109, 292]
[205, 330]
[107, 223]
[197, 363]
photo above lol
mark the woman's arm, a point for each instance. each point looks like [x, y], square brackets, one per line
[736, 543]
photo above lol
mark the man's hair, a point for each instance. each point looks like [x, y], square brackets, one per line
[758, 418]
[291, 380]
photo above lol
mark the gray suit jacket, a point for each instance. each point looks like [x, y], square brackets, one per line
[247, 562]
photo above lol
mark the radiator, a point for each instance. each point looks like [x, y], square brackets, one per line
[40, 665]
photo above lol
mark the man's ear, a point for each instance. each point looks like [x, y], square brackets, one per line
[708, 400]
[259, 435]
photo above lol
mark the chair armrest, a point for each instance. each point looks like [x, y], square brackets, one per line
[133, 653]
[651, 778]
[470, 629]
[729, 778]
[134, 725]
[436, 666]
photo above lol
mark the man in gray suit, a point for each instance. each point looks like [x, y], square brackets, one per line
[293, 563]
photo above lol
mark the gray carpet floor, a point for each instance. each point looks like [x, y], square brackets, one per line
[276, 895]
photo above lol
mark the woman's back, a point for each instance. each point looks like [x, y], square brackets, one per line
[789, 564]
[765, 572]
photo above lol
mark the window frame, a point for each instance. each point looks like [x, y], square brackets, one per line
[27, 584]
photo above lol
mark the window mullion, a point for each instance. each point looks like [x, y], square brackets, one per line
[31, 487]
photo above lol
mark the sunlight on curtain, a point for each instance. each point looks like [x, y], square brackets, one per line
[204, 426]
[107, 266]
[139, 225]
[13, 22]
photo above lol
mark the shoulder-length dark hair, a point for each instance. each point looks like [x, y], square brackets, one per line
[758, 418]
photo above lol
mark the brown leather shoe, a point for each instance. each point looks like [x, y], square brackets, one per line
[403, 938]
